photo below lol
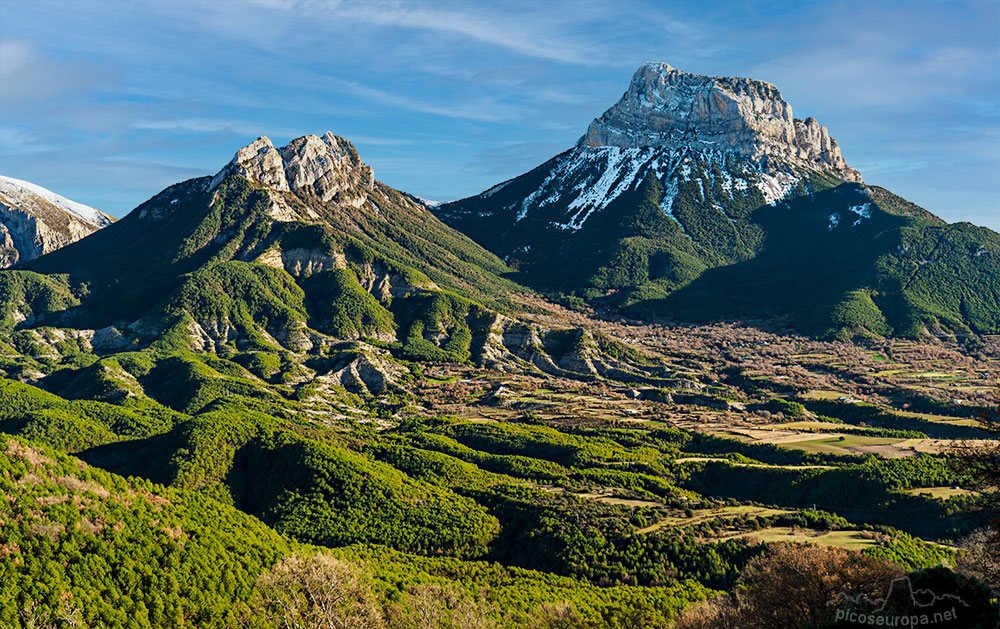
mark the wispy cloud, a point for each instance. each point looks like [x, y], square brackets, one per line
[211, 126]
[16, 141]
[28, 77]
[482, 109]
[372, 141]
[514, 159]
[526, 31]
[447, 96]
[14, 55]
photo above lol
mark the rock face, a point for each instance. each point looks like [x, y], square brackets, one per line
[35, 221]
[676, 178]
[326, 168]
[718, 148]
[665, 107]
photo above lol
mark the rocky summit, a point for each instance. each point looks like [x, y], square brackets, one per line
[326, 168]
[666, 107]
[672, 127]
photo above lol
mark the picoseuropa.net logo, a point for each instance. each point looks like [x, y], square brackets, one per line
[892, 619]
[903, 606]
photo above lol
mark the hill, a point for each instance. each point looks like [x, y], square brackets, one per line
[290, 372]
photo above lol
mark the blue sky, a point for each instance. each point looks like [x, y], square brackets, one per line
[109, 102]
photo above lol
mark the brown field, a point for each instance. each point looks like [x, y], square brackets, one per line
[939, 492]
[704, 515]
[854, 540]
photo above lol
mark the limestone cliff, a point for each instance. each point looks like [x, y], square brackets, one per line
[328, 168]
[35, 221]
[667, 108]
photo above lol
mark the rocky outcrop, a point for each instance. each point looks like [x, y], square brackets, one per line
[665, 107]
[35, 221]
[328, 169]
[509, 345]
[300, 262]
[382, 282]
[370, 372]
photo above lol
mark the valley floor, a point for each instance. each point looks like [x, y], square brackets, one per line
[539, 496]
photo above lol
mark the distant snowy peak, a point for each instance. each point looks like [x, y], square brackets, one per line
[427, 203]
[327, 168]
[19, 192]
[667, 108]
[35, 221]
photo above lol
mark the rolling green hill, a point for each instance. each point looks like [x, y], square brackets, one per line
[291, 358]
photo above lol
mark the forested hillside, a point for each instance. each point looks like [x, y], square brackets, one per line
[257, 385]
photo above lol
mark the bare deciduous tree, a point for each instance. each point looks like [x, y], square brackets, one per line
[793, 586]
[980, 460]
[437, 606]
[318, 592]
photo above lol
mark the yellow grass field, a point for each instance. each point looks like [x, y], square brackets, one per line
[939, 492]
[704, 515]
[853, 540]
[844, 444]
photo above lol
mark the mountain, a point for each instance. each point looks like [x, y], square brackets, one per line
[294, 250]
[703, 198]
[289, 375]
[35, 221]
[245, 339]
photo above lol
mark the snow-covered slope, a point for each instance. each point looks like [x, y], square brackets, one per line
[35, 221]
[586, 180]
[15, 189]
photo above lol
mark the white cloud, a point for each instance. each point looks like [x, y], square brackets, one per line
[483, 109]
[210, 126]
[14, 55]
[533, 33]
[19, 142]
[29, 77]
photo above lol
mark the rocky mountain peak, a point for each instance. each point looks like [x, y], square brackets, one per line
[666, 107]
[326, 168]
[35, 221]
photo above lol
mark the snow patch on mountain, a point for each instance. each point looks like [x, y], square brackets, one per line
[727, 184]
[619, 176]
[685, 171]
[16, 190]
[497, 188]
[589, 180]
[530, 199]
[863, 211]
[775, 187]
[667, 200]
[428, 203]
